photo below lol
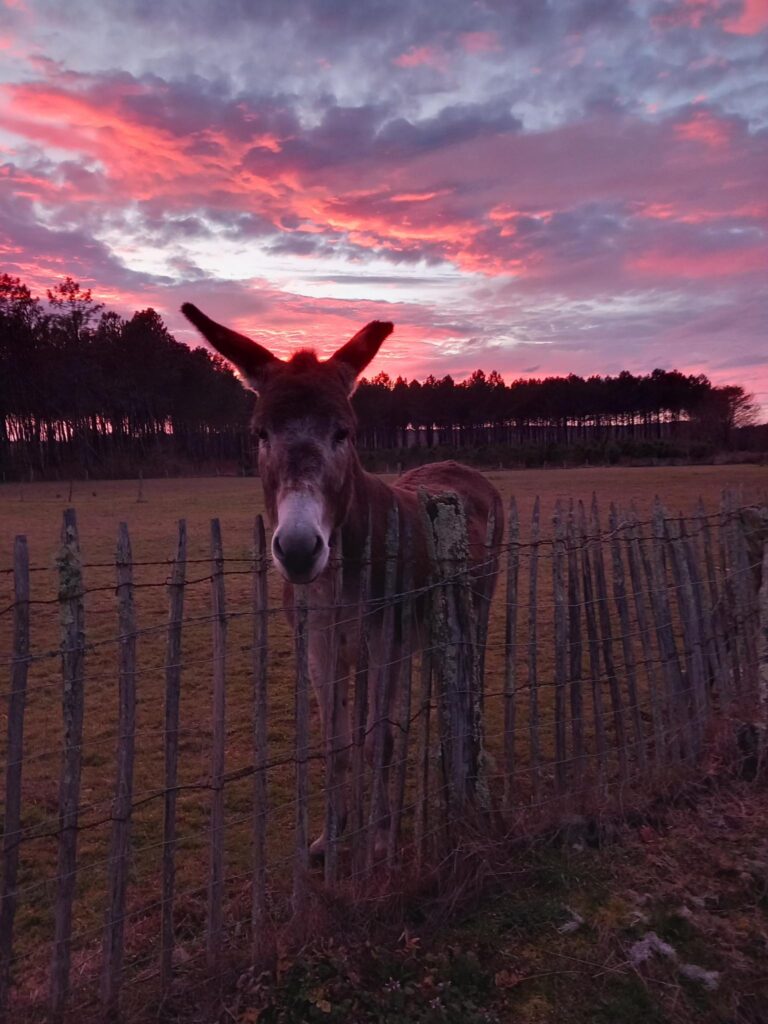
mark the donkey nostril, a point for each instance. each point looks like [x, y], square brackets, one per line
[278, 546]
[318, 546]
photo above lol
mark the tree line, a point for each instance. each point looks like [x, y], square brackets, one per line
[84, 391]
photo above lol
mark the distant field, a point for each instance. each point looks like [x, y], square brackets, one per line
[35, 510]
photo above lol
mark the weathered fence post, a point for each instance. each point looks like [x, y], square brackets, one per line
[680, 726]
[72, 671]
[216, 875]
[510, 652]
[692, 698]
[332, 715]
[360, 708]
[533, 678]
[301, 703]
[561, 648]
[575, 649]
[259, 916]
[172, 694]
[636, 560]
[377, 820]
[454, 633]
[403, 720]
[622, 607]
[13, 765]
[592, 643]
[604, 617]
[119, 854]
[762, 667]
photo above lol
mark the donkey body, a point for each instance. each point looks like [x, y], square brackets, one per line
[315, 490]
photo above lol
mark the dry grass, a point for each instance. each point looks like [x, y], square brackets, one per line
[35, 510]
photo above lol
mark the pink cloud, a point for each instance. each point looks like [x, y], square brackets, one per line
[702, 126]
[422, 56]
[753, 19]
[480, 42]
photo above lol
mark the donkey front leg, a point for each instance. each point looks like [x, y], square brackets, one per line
[331, 685]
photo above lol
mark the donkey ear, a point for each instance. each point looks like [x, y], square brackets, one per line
[250, 358]
[360, 350]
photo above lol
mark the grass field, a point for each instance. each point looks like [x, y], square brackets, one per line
[35, 510]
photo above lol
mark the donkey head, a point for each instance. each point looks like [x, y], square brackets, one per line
[305, 428]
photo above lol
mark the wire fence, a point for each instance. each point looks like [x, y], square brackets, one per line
[192, 775]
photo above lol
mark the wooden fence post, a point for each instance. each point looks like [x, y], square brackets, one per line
[403, 720]
[332, 715]
[216, 875]
[120, 847]
[533, 679]
[575, 650]
[510, 652]
[561, 643]
[259, 915]
[377, 820]
[762, 666]
[301, 701]
[712, 599]
[731, 631]
[636, 559]
[172, 695]
[454, 634]
[604, 618]
[692, 698]
[72, 671]
[680, 726]
[360, 709]
[592, 644]
[625, 624]
[13, 765]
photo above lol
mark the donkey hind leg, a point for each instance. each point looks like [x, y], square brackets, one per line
[332, 682]
[379, 740]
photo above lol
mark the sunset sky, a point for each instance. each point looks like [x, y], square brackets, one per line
[532, 186]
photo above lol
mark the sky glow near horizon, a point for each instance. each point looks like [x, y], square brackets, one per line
[535, 187]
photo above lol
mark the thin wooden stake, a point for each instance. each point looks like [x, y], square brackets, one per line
[713, 609]
[218, 740]
[690, 700]
[332, 719]
[72, 671]
[120, 847]
[730, 605]
[625, 624]
[636, 559]
[301, 830]
[510, 652]
[360, 709]
[558, 591]
[592, 643]
[488, 569]
[13, 764]
[172, 695]
[762, 648]
[575, 649]
[681, 738]
[533, 680]
[404, 705]
[259, 912]
[604, 615]
[378, 820]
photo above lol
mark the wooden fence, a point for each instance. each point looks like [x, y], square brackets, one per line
[604, 664]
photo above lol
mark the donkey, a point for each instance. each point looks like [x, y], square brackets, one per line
[315, 489]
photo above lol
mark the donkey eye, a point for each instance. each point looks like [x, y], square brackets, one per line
[263, 435]
[340, 435]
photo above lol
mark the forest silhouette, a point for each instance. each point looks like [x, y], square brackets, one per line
[84, 391]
